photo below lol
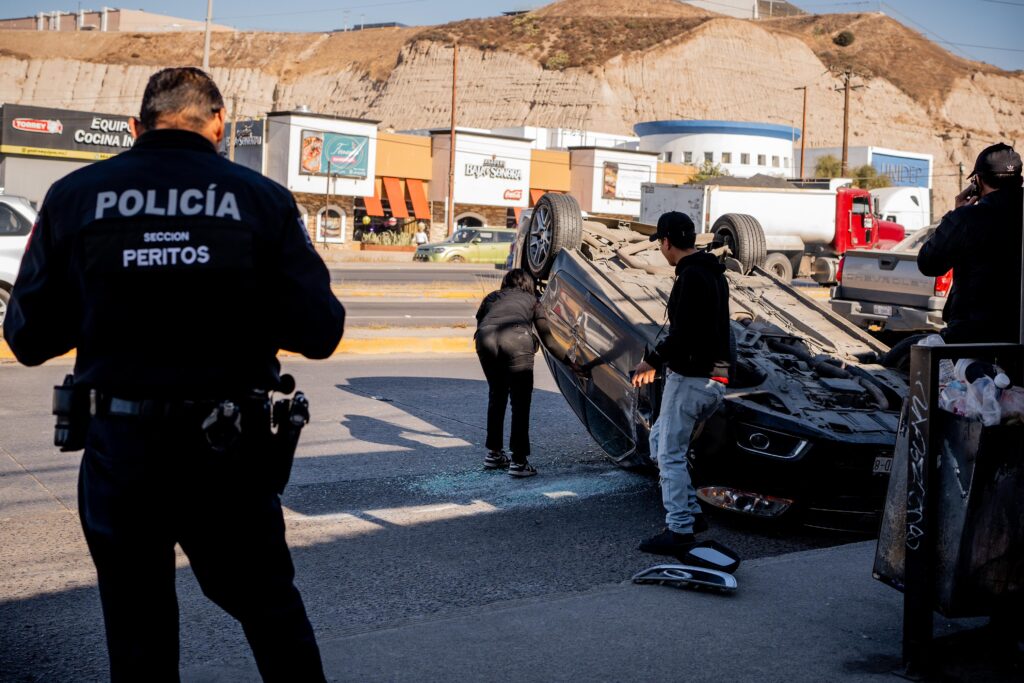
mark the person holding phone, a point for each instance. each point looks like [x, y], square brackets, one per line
[980, 240]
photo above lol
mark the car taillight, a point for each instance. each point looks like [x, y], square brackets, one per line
[839, 270]
[943, 283]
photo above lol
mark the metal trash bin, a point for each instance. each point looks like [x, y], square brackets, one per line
[952, 534]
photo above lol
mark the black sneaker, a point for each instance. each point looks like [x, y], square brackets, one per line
[521, 470]
[700, 523]
[669, 543]
[495, 460]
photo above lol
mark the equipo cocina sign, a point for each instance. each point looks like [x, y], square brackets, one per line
[63, 133]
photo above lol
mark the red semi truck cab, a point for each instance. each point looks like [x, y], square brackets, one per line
[857, 226]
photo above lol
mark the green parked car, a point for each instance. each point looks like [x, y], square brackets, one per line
[470, 245]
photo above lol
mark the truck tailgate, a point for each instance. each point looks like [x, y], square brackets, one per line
[885, 277]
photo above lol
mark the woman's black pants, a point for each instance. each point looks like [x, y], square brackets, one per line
[509, 371]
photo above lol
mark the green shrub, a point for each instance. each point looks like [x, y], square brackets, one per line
[843, 38]
[558, 61]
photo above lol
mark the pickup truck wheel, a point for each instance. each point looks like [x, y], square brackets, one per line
[898, 357]
[456, 259]
[5, 296]
[744, 237]
[556, 224]
[780, 266]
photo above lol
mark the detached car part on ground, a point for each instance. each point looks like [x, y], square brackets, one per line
[809, 422]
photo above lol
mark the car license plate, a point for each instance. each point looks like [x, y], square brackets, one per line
[883, 465]
[882, 309]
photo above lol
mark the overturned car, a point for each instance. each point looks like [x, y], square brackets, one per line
[809, 422]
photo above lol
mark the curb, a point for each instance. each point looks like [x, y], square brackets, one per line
[353, 346]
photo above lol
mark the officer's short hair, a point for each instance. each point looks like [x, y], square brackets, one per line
[185, 92]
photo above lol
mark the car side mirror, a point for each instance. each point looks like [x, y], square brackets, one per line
[476, 240]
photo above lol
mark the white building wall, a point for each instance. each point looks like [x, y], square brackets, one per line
[564, 138]
[727, 151]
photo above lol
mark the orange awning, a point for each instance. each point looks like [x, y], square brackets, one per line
[418, 195]
[535, 196]
[373, 206]
[396, 198]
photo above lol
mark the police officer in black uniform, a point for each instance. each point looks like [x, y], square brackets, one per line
[178, 275]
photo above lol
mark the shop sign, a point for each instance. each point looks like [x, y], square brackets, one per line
[248, 144]
[334, 154]
[490, 173]
[902, 171]
[622, 181]
[62, 133]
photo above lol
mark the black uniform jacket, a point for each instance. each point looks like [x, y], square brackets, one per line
[697, 344]
[174, 272]
[505, 310]
[982, 244]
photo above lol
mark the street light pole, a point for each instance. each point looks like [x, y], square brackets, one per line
[803, 131]
[206, 41]
[451, 152]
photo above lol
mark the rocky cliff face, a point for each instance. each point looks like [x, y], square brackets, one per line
[716, 68]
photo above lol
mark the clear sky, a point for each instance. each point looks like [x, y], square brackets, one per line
[986, 30]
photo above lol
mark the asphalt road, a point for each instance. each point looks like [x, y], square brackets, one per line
[413, 272]
[407, 312]
[390, 516]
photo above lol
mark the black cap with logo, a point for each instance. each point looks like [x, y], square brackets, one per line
[997, 160]
[678, 228]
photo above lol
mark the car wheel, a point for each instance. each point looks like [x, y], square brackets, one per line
[744, 237]
[556, 224]
[456, 259]
[5, 296]
[898, 357]
[780, 266]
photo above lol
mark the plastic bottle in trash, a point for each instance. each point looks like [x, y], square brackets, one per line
[945, 365]
[983, 401]
[953, 398]
[968, 370]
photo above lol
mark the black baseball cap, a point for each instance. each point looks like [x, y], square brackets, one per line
[997, 159]
[678, 228]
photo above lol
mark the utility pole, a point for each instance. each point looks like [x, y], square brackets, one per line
[451, 152]
[960, 184]
[847, 87]
[803, 131]
[234, 126]
[206, 41]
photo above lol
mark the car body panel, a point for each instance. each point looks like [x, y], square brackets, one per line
[16, 220]
[607, 304]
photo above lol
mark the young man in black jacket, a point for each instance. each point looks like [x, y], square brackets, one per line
[980, 240]
[696, 359]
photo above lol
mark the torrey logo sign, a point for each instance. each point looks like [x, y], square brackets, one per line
[513, 195]
[51, 126]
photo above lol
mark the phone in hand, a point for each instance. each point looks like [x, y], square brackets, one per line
[971, 191]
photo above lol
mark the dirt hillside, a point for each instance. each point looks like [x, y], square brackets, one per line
[598, 64]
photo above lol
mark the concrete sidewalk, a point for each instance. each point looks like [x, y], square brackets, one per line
[810, 616]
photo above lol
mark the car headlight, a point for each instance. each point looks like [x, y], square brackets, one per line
[734, 500]
[768, 442]
[439, 250]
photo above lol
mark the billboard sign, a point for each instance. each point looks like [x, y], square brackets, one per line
[248, 144]
[62, 133]
[491, 171]
[622, 181]
[334, 154]
[903, 171]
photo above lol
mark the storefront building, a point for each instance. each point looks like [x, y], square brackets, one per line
[39, 145]
[607, 180]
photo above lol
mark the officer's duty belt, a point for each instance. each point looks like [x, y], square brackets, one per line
[104, 405]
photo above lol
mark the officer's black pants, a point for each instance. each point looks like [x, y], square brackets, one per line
[507, 361]
[145, 486]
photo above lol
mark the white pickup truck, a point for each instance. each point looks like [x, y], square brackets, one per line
[884, 290]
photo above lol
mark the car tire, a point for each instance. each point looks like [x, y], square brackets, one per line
[744, 237]
[898, 357]
[556, 224]
[5, 297]
[456, 259]
[779, 265]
